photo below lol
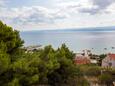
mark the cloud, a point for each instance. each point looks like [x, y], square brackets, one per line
[102, 4]
[34, 14]
[88, 6]
[111, 8]
[3, 3]
[98, 6]
[56, 13]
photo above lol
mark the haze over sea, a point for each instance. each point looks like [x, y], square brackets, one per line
[94, 39]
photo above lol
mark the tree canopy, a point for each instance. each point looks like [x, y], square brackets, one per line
[9, 38]
[48, 66]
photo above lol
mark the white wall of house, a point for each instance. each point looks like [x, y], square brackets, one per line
[113, 63]
[105, 63]
[108, 63]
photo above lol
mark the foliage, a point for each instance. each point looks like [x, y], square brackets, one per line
[46, 66]
[4, 62]
[9, 38]
[93, 71]
[105, 78]
[90, 70]
[59, 64]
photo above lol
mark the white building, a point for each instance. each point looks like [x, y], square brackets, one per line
[109, 61]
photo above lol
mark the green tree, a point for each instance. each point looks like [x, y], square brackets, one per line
[26, 69]
[49, 63]
[9, 38]
[46, 66]
[65, 52]
[4, 67]
[4, 62]
[67, 69]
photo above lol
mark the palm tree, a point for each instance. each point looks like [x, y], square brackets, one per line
[113, 47]
[105, 49]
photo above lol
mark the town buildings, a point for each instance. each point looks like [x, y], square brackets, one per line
[82, 58]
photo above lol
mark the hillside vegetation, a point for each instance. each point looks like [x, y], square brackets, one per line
[46, 66]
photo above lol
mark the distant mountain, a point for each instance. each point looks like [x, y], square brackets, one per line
[108, 28]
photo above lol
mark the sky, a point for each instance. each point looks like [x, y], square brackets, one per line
[57, 14]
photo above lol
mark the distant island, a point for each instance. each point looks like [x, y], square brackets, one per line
[106, 28]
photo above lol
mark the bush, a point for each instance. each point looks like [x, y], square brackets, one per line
[105, 79]
[91, 70]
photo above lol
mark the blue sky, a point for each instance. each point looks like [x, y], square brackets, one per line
[57, 14]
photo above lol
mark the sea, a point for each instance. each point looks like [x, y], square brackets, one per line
[99, 41]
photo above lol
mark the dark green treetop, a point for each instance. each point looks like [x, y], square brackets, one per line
[9, 38]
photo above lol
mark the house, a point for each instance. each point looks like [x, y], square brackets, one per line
[93, 61]
[82, 58]
[109, 61]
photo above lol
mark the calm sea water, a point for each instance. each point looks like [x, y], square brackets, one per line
[96, 41]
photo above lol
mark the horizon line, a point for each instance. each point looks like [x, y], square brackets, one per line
[99, 28]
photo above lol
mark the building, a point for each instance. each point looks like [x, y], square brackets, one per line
[82, 58]
[109, 61]
[31, 49]
[93, 61]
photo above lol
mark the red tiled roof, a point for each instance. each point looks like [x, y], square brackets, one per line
[111, 56]
[82, 60]
[80, 57]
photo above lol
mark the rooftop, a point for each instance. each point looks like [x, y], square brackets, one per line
[111, 56]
